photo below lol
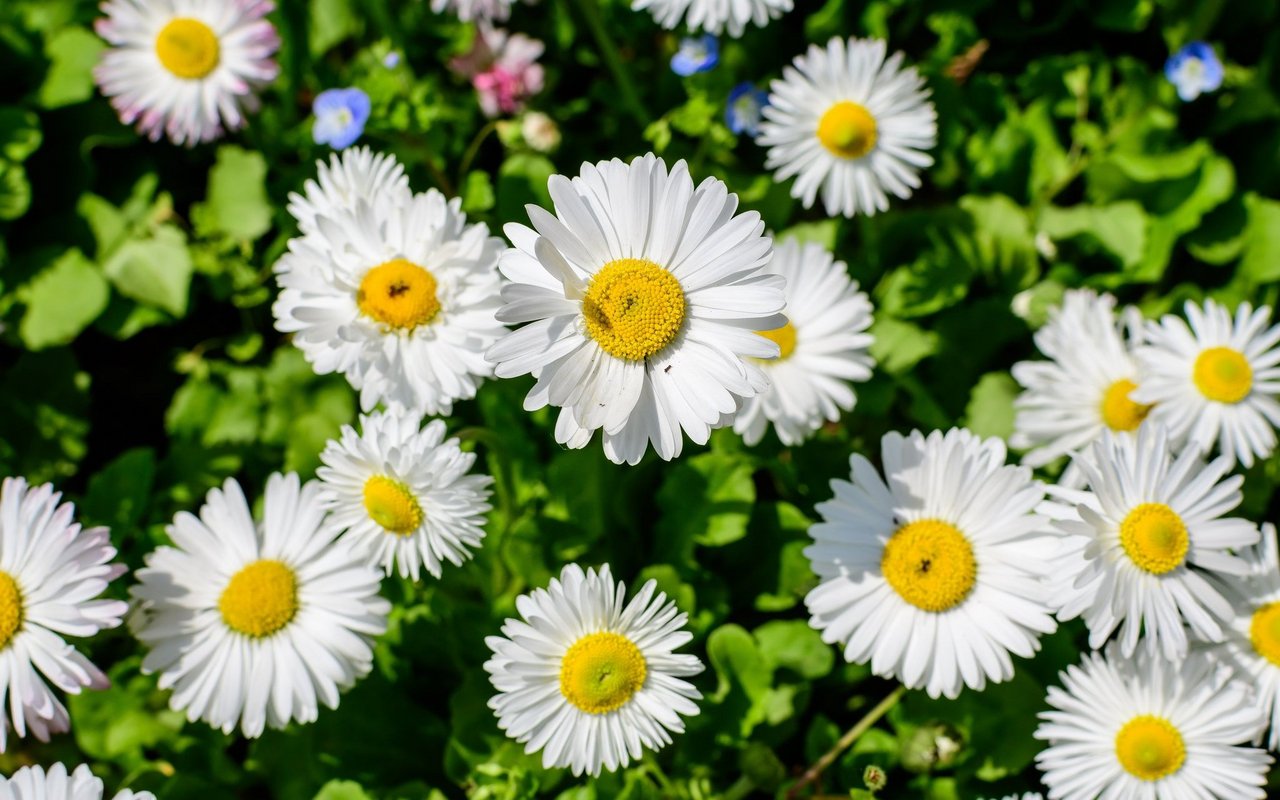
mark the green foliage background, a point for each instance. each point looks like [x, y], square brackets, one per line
[139, 366]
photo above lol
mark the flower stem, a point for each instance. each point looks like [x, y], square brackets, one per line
[845, 742]
[609, 52]
[473, 150]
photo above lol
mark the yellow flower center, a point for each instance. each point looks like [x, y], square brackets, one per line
[188, 48]
[260, 599]
[1150, 748]
[784, 337]
[399, 294]
[847, 130]
[1223, 374]
[601, 672]
[1155, 538]
[633, 308]
[1264, 632]
[1119, 413]
[930, 564]
[391, 505]
[11, 612]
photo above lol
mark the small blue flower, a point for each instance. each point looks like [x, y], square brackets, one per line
[1194, 70]
[743, 111]
[696, 55]
[391, 60]
[340, 117]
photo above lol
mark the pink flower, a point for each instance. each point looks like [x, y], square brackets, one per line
[503, 68]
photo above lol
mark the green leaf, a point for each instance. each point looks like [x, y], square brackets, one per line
[707, 499]
[332, 22]
[236, 203]
[477, 193]
[823, 233]
[796, 646]
[990, 409]
[342, 790]
[15, 190]
[62, 300]
[1119, 228]
[73, 52]
[118, 495]
[900, 345]
[155, 271]
[19, 133]
[1261, 261]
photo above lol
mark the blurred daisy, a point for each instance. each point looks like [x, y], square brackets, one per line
[587, 680]
[1194, 70]
[340, 117]
[503, 67]
[850, 124]
[744, 108]
[34, 783]
[696, 54]
[187, 69]
[1025, 796]
[934, 573]
[403, 494]
[823, 347]
[1216, 380]
[478, 10]
[355, 175]
[50, 573]
[714, 16]
[1148, 728]
[642, 295]
[1138, 545]
[257, 624]
[398, 295]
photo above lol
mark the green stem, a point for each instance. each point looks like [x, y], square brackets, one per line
[473, 150]
[609, 52]
[740, 789]
[845, 742]
[503, 476]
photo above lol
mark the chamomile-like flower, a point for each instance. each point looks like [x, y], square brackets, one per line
[188, 69]
[591, 680]
[642, 296]
[1215, 381]
[358, 174]
[34, 783]
[714, 16]
[1138, 545]
[823, 347]
[1148, 728]
[477, 10]
[403, 493]
[850, 124]
[257, 624]
[934, 573]
[398, 295]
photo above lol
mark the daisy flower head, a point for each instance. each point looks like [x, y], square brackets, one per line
[714, 16]
[850, 123]
[642, 295]
[402, 493]
[589, 679]
[35, 783]
[357, 174]
[1144, 727]
[399, 297]
[823, 347]
[932, 573]
[1215, 380]
[50, 572]
[186, 69]
[475, 10]
[258, 623]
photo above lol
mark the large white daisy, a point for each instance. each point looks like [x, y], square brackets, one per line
[187, 69]
[356, 174]
[588, 678]
[50, 573]
[397, 294]
[934, 574]
[714, 16]
[1138, 545]
[851, 124]
[823, 347]
[1144, 728]
[642, 296]
[403, 493]
[34, 783]
[257, 624]
[1215, 381]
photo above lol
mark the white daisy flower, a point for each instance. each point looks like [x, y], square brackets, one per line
[934, 573]
[714, 16]
[823, 347]
[850, 123]
[397, 294]
[257, 624]
[1138, 545]
[187, 69]
[356, 174]
[588, 679]
[403, 493]
[478, 10]
[643, 295]
[34, 783]
[1215, 381]
[50, 573]
[1025, 796]
[1151, 729]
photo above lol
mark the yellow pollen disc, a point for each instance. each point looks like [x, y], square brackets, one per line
[1264, 632]
[784, 337]
[260, 599]
[601, 672]
[930, 564]
[1118, 411]
[1223, 374]
[188, 48]
[391, 505]
[1155, 538]
[10, 609]
[399, 294]
[847, 130]
[633, 308]
[1150, 748]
